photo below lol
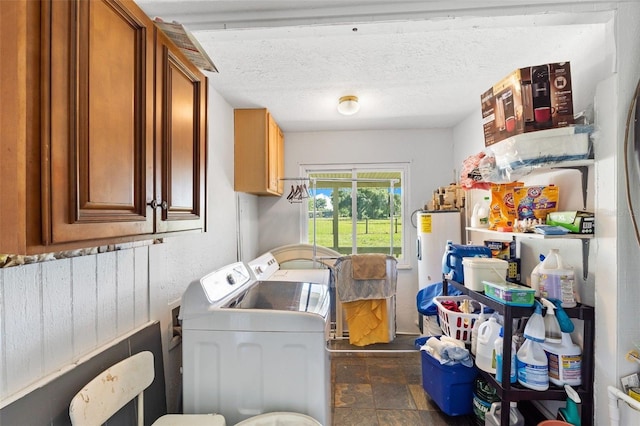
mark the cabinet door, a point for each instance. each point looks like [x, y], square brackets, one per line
[280, 161]
[181, 117]
[99, 109]
[273, 154]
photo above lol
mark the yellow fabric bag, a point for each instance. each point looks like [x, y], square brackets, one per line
[368, 321]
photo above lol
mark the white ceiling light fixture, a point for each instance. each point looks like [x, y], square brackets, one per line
[348, 105]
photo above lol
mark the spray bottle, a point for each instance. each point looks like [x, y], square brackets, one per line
[532, 364]
[570, 413]
[565, 323]
[552, 333]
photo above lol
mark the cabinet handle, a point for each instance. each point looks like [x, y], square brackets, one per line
[154, 204]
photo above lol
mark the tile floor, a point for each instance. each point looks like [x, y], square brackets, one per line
[383, 388]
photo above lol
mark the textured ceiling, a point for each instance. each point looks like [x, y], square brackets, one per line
[414, 65]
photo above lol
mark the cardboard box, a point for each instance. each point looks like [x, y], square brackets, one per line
[577, 222]
[501, 249]
[529, 99]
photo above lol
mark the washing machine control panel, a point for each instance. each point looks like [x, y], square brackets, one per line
[226, 282]
[264, 266]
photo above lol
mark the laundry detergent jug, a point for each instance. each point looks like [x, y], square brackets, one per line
[452, 259]
[487, 335]
[557, 279]
[492, 418]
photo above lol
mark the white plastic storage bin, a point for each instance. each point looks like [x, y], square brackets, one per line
[479, 269]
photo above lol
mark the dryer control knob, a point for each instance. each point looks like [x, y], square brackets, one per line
[230, 279]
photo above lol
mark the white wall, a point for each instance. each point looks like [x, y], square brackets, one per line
[626, 327]
[54, 312]
[429, 154]
[612, 283]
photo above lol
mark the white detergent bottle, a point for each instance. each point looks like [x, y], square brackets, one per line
[499, 348]
[531, 361]
[480, 214]
[492, 418]
[535, 277]
[475, 219]
[487, 334]
[483, 213]
[557, 279]
[565, 361]
[474, 331]
[533, 366]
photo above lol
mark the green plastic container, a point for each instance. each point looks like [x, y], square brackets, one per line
[509, 293]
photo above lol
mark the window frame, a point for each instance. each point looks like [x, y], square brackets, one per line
[354, 169]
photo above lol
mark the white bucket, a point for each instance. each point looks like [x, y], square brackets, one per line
[478, 269]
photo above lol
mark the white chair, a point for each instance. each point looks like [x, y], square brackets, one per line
[112, 389]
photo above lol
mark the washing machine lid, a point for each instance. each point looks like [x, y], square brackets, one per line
[320, 276]
[286, 296]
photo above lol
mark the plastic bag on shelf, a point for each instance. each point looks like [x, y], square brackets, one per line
[490, 171]
[515, 157]
[543, 147]
[470, 175]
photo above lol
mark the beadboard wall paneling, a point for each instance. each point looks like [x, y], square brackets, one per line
[141, 285]
[107, 298]
[53, 313]
[56, 304]
[126, 284]
[23, 326]
[84, 303]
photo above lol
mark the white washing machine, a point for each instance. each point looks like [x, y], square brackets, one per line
[253, 347]
[267, 268]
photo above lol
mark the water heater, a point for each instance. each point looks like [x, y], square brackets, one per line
[434, 229]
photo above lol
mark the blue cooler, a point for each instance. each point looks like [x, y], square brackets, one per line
[449, 386]
[452, 259]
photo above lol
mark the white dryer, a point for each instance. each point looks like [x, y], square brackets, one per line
[267, 268]
[252, 346]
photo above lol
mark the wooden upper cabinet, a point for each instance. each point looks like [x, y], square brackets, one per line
[259, 153]
[20, 87]
[181, 117]
[103, 128]
[100, 113]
